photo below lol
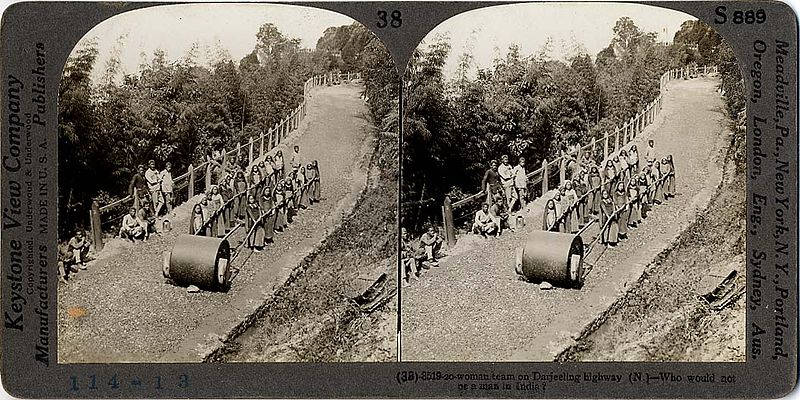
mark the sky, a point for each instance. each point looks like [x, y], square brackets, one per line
[488, 32]
[174, 28]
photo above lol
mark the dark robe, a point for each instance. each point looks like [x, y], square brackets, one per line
[256, 239]
[280, 206]
[241, 208]
[267, 205]
[621, 203]
[596, 186]
[195, 223]
[316, 191]
[610, 234]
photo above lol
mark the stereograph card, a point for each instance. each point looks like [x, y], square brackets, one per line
[399, 199]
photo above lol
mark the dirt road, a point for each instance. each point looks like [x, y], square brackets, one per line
[474, 308]
[122, 310]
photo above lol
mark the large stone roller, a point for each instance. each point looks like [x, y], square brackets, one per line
[200, 261]
[553, 257]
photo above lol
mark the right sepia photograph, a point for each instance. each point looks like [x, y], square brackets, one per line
[573, 188]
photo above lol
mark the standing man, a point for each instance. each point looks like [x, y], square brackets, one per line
[650, 153]
[296, 161]
[520, 183]
[154, 185]
[491, 181]
[167, 185]
[507, 180]
[138, 182]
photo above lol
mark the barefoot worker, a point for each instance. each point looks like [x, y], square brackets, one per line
[431, 242]
[484, 224]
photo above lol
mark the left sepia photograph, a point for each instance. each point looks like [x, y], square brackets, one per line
[228, 181]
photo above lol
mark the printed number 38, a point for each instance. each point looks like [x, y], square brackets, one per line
[395, 19]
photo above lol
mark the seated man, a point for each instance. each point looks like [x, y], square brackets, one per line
[408, 257]
[484, 224]
[147, 219]
[65, 262]
[431, 242]
[130, 228]
[79, 247]
[499, 213]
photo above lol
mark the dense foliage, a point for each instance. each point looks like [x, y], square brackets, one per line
[179, 111]
[527, 105]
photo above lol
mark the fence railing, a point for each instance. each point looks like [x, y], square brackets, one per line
[541, 179]
[189, 182]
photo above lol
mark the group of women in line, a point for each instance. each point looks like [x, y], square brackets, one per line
[264, 198]
[619, 194]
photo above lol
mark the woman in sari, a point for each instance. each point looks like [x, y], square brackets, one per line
[623, 165]
[644, 194]
[240, 186]
[549, 216]
[255, 180]
[633, 159]
[267, 203]
[196, 220]
[266, 172]
[301, 184]
[559, 200]
[289, 198]
[595, 183]
[579, 184]
[610, 174]
[620, 198]
[227, 194]
[208, 213]
[255, 227]
[312, 183]
[669, 179]
[655, 177]
[317, 194]
[274, 166]
[608, 223]
[219, 201]
[279, 165]
[281, 222]
[571, 199]
[671, 175]
[635, 216]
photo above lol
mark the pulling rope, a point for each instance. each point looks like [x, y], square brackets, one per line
[238, 250]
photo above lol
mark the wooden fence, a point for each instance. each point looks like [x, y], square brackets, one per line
[553, 173]
[198, 178]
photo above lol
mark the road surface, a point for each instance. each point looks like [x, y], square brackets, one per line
[122, 310]
[475, 308]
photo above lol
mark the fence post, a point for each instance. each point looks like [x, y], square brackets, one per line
[642, 120]
[562, 170]
[628, 132]
[449, 225]
[208, 176]
[250, 152]
[639, 124]
[261, 145]
[605, 147]
[97, 230]
[594, 142]
[544, 176]
[191, 181]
